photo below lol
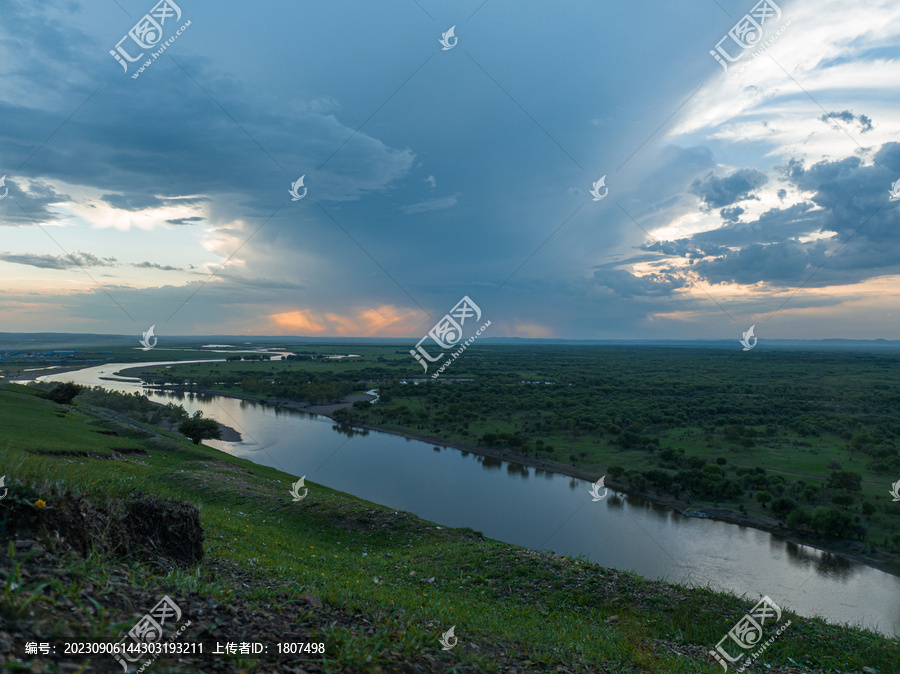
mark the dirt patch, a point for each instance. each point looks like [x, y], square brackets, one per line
[66, 452]
[171, 528]
[129, 450]
[141, 527]
[116, 453]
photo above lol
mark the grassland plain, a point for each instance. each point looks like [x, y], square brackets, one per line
[102, 519]
[805, 443]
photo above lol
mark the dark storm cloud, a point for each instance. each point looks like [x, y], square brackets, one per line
[718, 192]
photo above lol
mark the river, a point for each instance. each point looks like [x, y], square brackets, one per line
[535, 509]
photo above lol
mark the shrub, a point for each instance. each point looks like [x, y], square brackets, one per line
[62, 393]
[799, 518]
[782, 507]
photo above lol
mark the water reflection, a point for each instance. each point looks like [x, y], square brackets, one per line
[349, 431]
[490, 462]
[615, 501]
[517, 469]
[825, 563]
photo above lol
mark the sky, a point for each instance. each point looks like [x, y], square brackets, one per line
[753, 195]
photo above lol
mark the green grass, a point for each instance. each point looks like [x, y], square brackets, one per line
[35, 424]
[547, 609]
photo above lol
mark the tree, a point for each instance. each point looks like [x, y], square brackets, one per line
[763, 497]
[845, 500]
[731, 489]
[799, 518]
[861, 442]
[636, 480]
[833, 522]
[62, 393]
[342, 414]
[734, 432]
[615, 472]
[845, 480]
[197, 428]
[782, 507]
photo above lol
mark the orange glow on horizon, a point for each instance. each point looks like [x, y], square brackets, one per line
[384, 321]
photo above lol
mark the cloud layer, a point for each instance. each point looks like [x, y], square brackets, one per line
[432, 175]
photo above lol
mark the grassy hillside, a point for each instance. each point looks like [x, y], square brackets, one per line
[103, 519]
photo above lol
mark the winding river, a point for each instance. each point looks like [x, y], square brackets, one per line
[540, 510]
